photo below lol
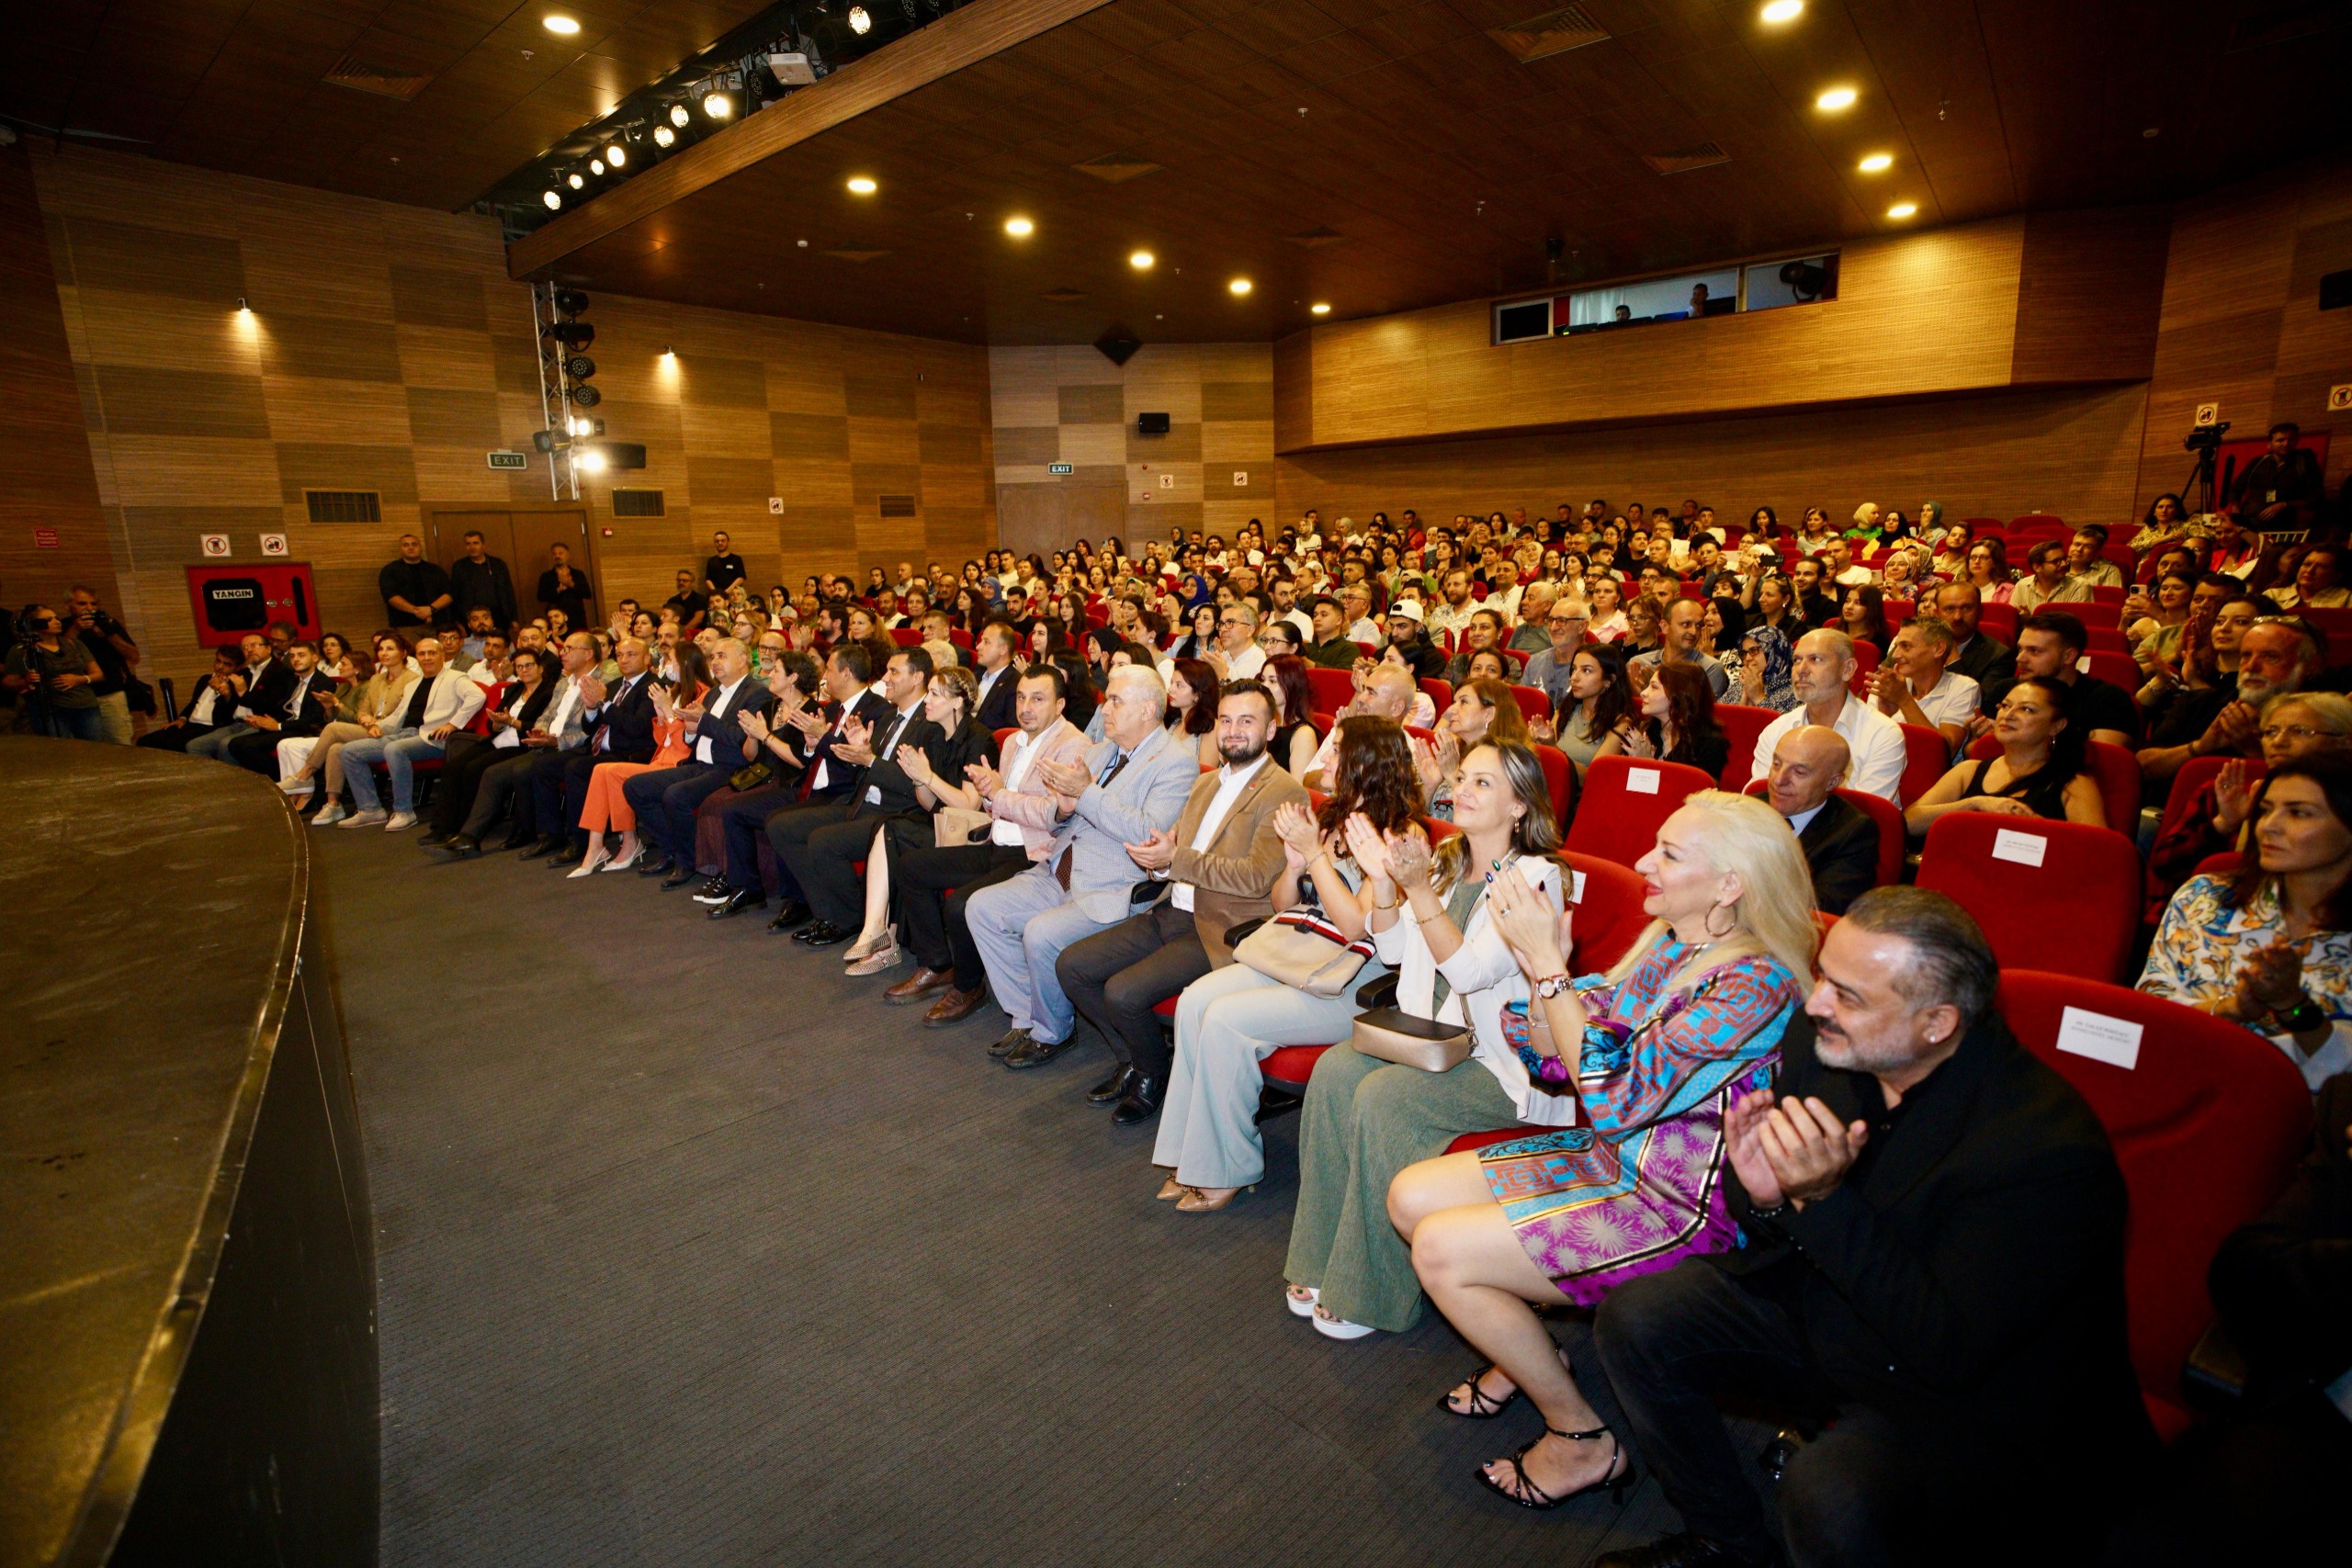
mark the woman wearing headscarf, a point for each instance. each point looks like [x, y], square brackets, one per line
[1765, 666]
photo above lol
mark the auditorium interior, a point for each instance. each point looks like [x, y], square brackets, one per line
[791, 739]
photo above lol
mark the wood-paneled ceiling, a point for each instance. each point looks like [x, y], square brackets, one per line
[1378, 154]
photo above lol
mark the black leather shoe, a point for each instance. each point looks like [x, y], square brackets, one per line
[714, 890]
[514, 841]
[1009, 1042]
[824, 933]
[657, 866]
[542, 850]
[463, 846]
[679, 876]
[738, 900]
[794, 913]
[434, 840]
[1141, 1102]
[1035, 1053]
[1122, 1079]
[1681, 1551]
[567, 857]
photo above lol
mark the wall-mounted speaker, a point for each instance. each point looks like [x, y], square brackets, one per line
[1151, 425]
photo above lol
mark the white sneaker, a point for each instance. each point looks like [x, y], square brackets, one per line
[401, 822]
[295, 786]
[368, 818]
[1301, 1300]
[332, 813]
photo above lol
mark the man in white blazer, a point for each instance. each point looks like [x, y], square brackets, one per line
[439, 704]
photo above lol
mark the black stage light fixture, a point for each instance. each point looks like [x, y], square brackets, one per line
[1805, 281]
[549, 441]
[571, 302]
[580, 367]
[586, 396]
[572, 334]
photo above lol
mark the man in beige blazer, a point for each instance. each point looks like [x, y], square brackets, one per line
[1219, 865]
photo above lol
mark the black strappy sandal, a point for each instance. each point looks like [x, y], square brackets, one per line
[1527, 1494]
[1484, 1406]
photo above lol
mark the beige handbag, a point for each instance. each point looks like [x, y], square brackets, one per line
[1395, 1035]
[953, 827]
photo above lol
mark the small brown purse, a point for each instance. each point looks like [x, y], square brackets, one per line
[1392, 1034]
[953, 827]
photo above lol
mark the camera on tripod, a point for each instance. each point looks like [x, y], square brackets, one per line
[2206, 438]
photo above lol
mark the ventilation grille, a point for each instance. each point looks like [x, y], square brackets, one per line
[1313, 239]
[1554, 32]
[1064, 295]
[344, 505]
[897, 506]
[1112, 169]
[384, 81]
[1698, 156]
[639, 504]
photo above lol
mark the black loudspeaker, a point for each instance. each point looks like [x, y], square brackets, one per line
[1151, 425]
[2335, 290]
[1118, 345]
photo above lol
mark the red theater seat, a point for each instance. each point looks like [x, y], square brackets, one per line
[2076, 911]
[1893, 837]
[2206, 1122]
[1743, 725]
[1925, 758]
[1623, 803]
[2116, 771]
[1333, 689]
[1440, 692]
[1533, 703]
[906, 636]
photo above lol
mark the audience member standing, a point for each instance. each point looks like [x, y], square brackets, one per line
[109, 642]
[479, 581]
[564, 586]
[415, 592]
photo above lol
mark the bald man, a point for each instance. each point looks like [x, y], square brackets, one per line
[1387, 693]
[1840, 838]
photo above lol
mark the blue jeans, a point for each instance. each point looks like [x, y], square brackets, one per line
[399, 752]
[75, 724]
[1021, 926]
[214, 743]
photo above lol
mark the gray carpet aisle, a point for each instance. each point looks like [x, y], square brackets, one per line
[692, 1251]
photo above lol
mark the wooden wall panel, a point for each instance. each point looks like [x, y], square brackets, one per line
[387, 349]
[2090, 290]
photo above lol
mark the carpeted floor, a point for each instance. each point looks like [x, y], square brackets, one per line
[692, 1251]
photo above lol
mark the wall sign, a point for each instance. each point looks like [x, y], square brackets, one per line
[273, 544]
[45, 539]
[1061, 467]
[214, 544]
[509, 460]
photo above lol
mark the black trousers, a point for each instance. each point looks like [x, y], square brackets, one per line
[1116, 977]
[936, 929]
[820, 845]
[173, 737]
[507, 779]
[1867, 1491]
[258, 752]
[462, 765]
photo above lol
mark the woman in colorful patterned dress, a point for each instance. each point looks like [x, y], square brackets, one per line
[1654, 1051]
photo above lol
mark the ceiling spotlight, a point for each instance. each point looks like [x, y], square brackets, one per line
[1141, 261]
[590, 460]
[1836, 98]
[1876, 163]
[574, 181]
[669, 353]
[596, 166]
[859, 22]
[1019, 228]
[1779, 11]
[559, 23]
[553, 199]
[243, 308]
[1319, 309]
[665, 137]
[679, 117]
[1240, 285]
[616, 155]
[860, 185]
[717, 105]
[1902, 209]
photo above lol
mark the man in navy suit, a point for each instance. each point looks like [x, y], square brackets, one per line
[619, 722]
[848, 669]
[664, 798]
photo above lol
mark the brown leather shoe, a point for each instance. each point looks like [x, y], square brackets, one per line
[919, 985]
[955, 1006]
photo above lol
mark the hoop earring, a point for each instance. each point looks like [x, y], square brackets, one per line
[1714, 935]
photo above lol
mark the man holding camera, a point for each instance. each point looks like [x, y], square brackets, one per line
[109, 643]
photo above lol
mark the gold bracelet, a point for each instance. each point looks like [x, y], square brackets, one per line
[1378, 905]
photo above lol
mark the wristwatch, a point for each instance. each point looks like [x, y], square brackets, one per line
[2300, 1016]
[1553, 984]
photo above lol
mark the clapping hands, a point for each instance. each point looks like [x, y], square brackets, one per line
[1789, 1151]
[1522, 917]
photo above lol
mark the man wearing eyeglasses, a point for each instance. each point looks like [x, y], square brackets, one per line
[1236, 656]
[2278, 655]
[1550, 670]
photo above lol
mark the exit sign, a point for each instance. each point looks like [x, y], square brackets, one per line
[509, 460]
[1059, 469]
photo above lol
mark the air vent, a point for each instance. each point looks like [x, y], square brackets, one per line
[1112, 169]
[1554, 32]
[897, 506]
[1698, 156]
[344, 505]
[1063, 295]
[384, 81]
[639, 504]
[860, 257]
[1315, 237]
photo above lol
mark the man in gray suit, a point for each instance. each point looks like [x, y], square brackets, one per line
[1131, 785]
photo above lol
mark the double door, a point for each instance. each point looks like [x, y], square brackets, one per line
[525, 539]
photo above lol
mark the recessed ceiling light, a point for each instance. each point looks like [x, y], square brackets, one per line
[1141, 261]
[1239, 286]
[616, 154]
[717, 105]
[1019, 228]
[1902, 209]
[1319, 309]
[1836, 98]
[860, 185]
[1876, 163]
[556, 22]
[1784, 10]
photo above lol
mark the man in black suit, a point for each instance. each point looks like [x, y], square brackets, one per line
[664, 798]
[264, 682]
[619, 721]
[214, 697]
[1839, 840]
[301, 703]
[564, 586]
[998, 706]
[1934, 1263]
[817, 845]
[824, 728]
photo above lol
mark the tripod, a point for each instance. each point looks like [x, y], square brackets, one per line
[2199, 485]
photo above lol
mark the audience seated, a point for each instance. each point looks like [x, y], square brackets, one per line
[1676, 721]
[1381, 691]
[2271, 947]
[558, 725]
[2268, 658]
[2040, 773]
[604, 807]
[2294, 724]
[510, 715]
[212, 697]
[620, 716]
[2050, 645]
[1366, 1118]
[1917, 686]
[1482, 711]
[1767, 664]
[663, 799]
[440, 702]
[1822, 676]
[1840, 841]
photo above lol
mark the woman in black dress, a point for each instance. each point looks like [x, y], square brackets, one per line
[2040, 773]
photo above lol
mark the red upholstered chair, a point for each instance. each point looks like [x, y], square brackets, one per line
[2333, 625]
[2001, 620]
[1892, 835]
[1866, 662]
[1438, 691]
[1004, 738]
[1333, 689]
[2226, 863]
[1532, 702]
[2101, 593]
[2118, 771]
[2077, 912]
[2106, 639]
[1559, 782]
[2094, 614]
[2194, 775]
[1898, 611]
[907, 636]
[1925, 758]
[1742, 726]
[1623, 803]
[2049, 522]
[2206, 1122]
[960, 637]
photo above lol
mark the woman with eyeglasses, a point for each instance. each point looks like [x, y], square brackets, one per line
[2040, 771]
[2271, 947]
[2295, 724]
[55, 679]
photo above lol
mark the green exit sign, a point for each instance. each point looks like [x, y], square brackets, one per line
[509, 460]
[1059, 469]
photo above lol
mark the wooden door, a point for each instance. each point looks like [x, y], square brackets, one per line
[523, 537]
[1046, 518]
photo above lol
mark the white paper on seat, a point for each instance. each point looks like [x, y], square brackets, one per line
[2026, 849]
[2114, 1040]
[1641, 781]
[1576, 886]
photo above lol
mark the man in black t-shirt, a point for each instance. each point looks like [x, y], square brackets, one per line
[109, 643]
[2050, 645]
[564, 586]
[2282, 488]
[692, 606]
[416, 591]
[724, 569]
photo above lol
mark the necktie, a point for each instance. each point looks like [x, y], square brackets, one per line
[1114, 771]
[1061, 867]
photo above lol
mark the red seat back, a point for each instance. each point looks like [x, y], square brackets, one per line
[1004, 738]
[1623, 803]
[2116, 770]
[1609, 917]
[2047, 522]
[2103, 595]
[1333, 689]
[2194, 775]
[2076, 911]
[1533, 703]
[2207, 1124]
[2106, 639]
[2116, 669]
[907, 636]
[2094, 614]
[2001, 620]
[1743, 727]
[1925, 758]
[1438, 691]
[1892, 835]
[1559, 779]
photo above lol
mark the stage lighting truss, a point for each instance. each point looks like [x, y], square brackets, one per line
[566, 387]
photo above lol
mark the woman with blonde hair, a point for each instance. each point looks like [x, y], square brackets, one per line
[375, 710]
[1652, 1053]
